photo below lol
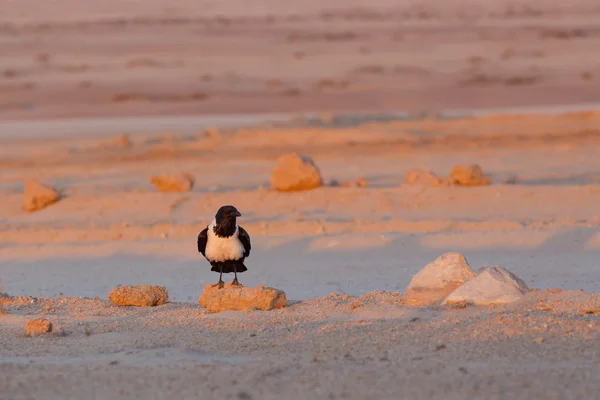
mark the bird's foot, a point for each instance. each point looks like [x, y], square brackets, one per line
[219, 285]
[236, 283]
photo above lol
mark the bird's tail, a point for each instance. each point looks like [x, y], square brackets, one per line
[229, 266]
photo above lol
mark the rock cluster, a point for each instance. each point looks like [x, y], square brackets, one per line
[450, 280]
[460, 175]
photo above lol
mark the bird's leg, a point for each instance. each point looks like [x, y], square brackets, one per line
[235, 280]
[220, 284]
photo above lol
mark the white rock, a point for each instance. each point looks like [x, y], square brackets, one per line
[447, 268]
[495, 285]
[438, 279]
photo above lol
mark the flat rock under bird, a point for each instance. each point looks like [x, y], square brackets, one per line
[225, 244]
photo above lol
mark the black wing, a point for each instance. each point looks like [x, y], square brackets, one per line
[245, 239]
[202, 238]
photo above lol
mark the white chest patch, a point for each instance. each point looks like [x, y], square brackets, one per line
[223, 249]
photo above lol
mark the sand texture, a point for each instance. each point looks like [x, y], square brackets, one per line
[337, 346]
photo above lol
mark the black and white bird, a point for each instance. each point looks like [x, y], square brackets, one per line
[225, 244]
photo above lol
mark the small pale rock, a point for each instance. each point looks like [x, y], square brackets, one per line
[495, 285]
[359, 183]
[294, 173]
[139, 296]
[124, 141]
[213, 132]
[424, 177]
[36, 327]
[179, 182]
[438, 279]
[38, 196]
[469, 175]
[241, 298]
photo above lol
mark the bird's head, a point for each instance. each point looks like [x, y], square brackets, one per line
[227, 214]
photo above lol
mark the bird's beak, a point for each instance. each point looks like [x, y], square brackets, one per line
[237, 214]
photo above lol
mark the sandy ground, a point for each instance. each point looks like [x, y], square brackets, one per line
[332, 347]
[343, 256]
[215, 89]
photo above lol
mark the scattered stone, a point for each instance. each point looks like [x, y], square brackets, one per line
[124, 140]
[121, 141]
[360, 183]
[213, 132]
[139, 296]
[495, 285]
[37, 327]
[459, 304]
[241, 298]
[2, 296]
[469, 175]
[424, 177]
[438, 279]
[583, 312]
[179, 182]
[294, 173]
[357, 183]
[38, 196]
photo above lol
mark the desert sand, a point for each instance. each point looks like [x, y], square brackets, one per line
[96, 103]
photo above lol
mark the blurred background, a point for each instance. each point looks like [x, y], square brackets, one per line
[71, 58]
